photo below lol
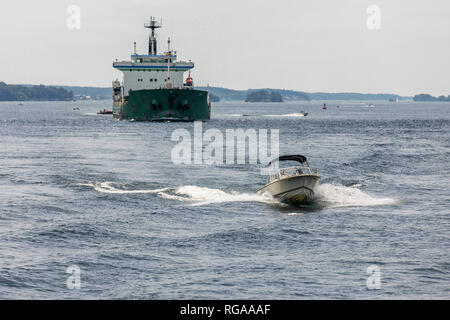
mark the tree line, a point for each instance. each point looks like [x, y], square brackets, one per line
[263, 96]
[427, 97]
[10, 92]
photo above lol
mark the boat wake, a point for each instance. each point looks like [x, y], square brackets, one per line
[285, 115]
[202, 196]
[117, 188]
[234, 115]
[194, 195]
[328, 195]
[337, 195]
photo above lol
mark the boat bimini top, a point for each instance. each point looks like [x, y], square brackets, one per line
[294, 157]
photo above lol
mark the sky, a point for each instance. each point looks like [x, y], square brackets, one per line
[402, 47]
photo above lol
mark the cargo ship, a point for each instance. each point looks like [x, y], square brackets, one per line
[154, 87]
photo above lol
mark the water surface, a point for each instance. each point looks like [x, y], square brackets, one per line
[81, 189]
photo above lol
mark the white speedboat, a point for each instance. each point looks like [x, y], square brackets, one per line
[294, 184]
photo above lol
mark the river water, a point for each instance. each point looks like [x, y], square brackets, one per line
[84, 190]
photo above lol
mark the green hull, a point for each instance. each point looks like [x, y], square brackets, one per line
[163, 105]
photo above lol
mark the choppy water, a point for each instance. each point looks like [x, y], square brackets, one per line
[86, 190]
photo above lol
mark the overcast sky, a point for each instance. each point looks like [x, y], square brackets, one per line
[321, 45]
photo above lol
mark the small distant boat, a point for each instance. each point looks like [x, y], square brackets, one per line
[20, 104]
[324, 106]
[304, 113]
[294, 184]
[76, 108]
[104, 111]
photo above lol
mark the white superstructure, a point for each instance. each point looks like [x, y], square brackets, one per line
[153, 71]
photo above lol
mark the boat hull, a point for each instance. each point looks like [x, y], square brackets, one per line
[293, 189]
[164, 105]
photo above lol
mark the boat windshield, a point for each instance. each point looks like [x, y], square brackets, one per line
[295, 165]
[293, 171]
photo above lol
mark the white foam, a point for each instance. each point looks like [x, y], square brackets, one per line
[356, 185]
[332, 195]
[194, 194]
[336, 195]
[111, 187]
[234, 115]
[286, 115]
[203, 195]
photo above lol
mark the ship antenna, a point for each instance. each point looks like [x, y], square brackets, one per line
[152, 49]
[135, 48]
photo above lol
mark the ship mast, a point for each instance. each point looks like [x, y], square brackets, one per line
[152, 49]
[169, 55]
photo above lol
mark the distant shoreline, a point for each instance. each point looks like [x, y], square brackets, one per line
[220, 94]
